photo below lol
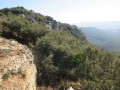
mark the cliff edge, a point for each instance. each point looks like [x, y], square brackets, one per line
[17, 66]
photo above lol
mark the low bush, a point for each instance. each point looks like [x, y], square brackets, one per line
[6, 75]
[21, 72]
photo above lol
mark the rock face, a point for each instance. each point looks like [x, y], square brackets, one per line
[76, 32]
[55, 25]
[17, 67]
[51, 24]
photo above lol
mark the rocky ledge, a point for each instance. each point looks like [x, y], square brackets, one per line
[17, 66]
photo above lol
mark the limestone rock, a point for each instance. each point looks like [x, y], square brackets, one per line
[55, 25]
[51, 23]
[76, 32]
[70, 88]
[22, 15]
[12, 57]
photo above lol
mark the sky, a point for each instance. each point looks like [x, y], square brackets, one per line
[71, 11]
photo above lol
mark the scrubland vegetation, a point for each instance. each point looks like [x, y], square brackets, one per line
[62, 57]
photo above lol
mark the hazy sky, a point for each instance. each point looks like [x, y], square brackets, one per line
[71, 11]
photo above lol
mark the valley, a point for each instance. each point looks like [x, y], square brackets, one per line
[103, 35]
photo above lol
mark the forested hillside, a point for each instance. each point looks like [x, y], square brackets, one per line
[107, 39]
[64, 57]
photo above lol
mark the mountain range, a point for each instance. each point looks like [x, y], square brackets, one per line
[110, 25]
[106, 36]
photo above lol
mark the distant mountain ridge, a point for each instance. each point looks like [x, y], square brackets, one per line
[107, 39]
[101, 25]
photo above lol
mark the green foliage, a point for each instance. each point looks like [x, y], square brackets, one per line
[106, 39]
[29, 14]
[1, 14]
[49, 18]
[22, 30]
[80, 58]
[17, 10]
[6, 75]
[17, 27]
[61, 56]
[20, 71]
[40, 18]
[48, 70]
[93, 67]
[99, 70]
[23, 74]
[63, 26]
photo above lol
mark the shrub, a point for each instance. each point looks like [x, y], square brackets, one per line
[23, 74]
[6, 75]
[20, 71]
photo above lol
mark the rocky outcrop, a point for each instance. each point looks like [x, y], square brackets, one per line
[76, 32]
[55, 25]
[70, 88]
[51, 23]
[17, 67]
[22, 15]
